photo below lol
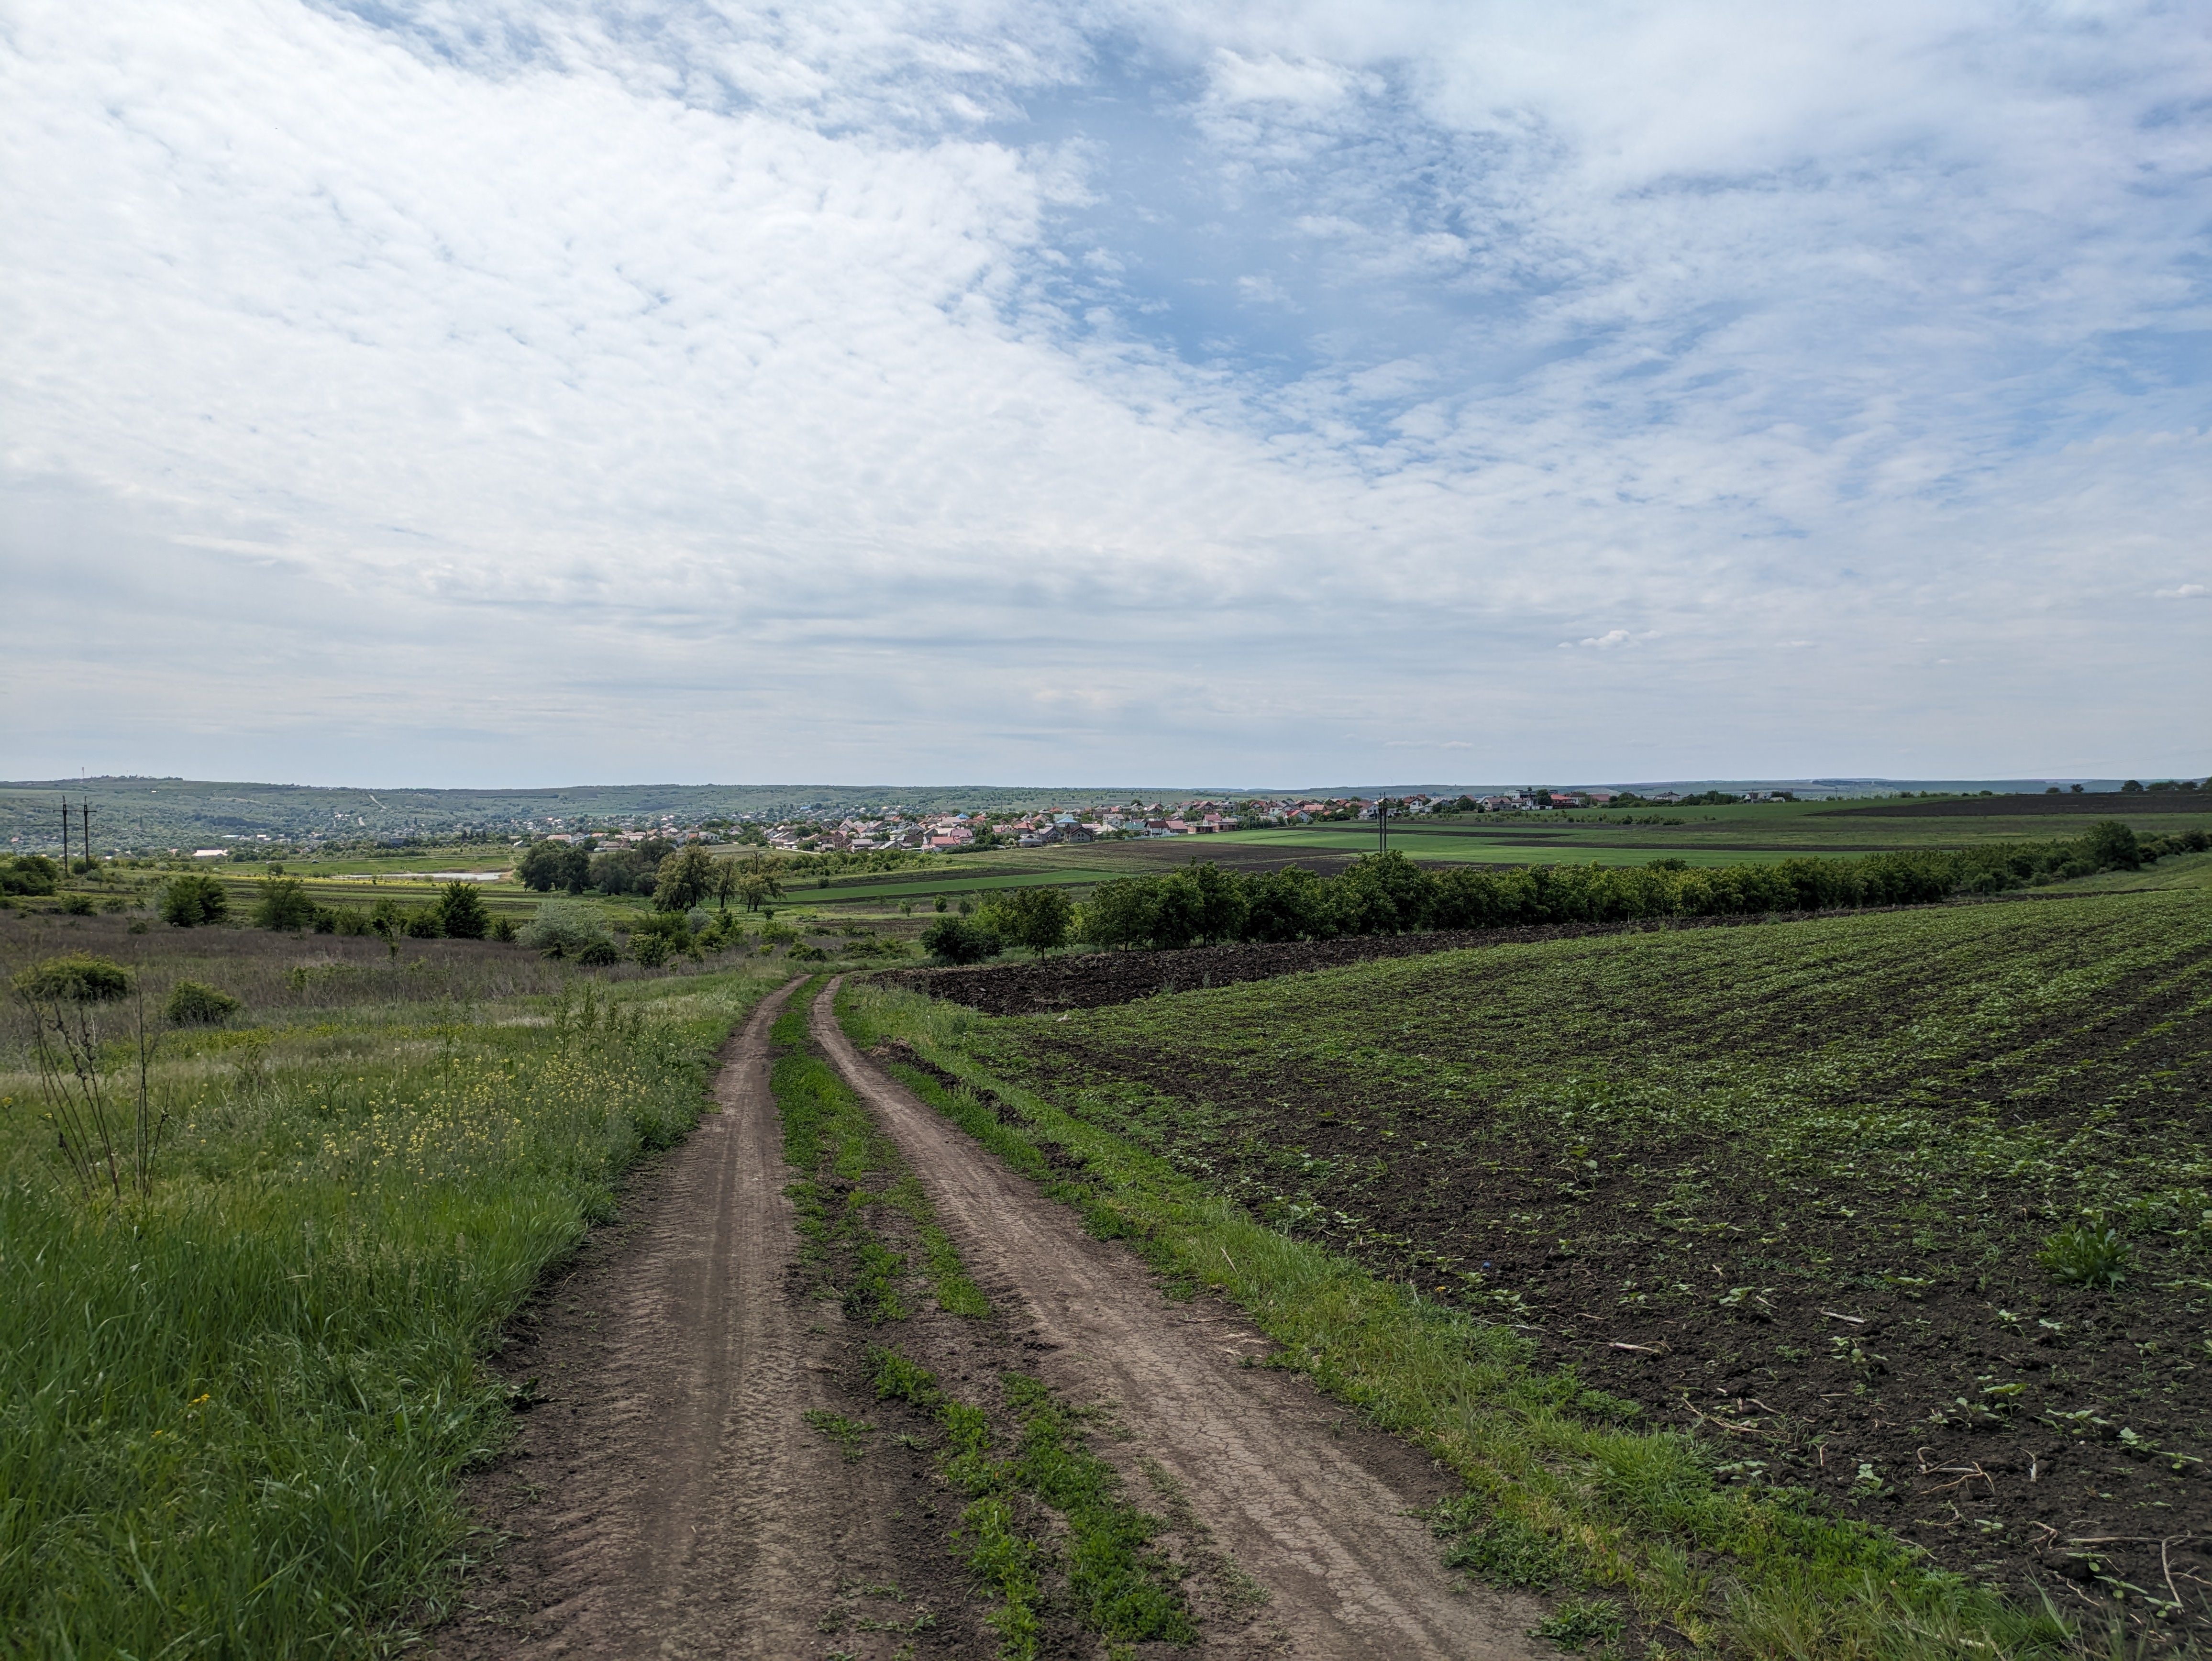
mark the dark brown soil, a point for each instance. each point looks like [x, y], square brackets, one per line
[1916, 1369]
[2107, 804]
[1092, 980]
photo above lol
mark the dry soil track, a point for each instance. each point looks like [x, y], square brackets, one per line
[1318, 1520]
[676, 1505]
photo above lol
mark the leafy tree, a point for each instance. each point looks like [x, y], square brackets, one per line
[2133, 786]
[685, 880]
[283, 904]
[551, 865]
[461, 912]
[193, 898]
[1289, 905]
[758, 879]
[622, 870]
[960, 940]
[1120, 913]
[2113, 846]
[1384, 894]
[1039, 918]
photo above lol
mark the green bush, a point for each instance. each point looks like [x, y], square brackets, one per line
[283, 904]
[78, 977]
[1039, 918]
[29, 873]
[462, 914]
[194, 1003]
[193, 898]
[958, 941]
[77, 905]
[566, 928]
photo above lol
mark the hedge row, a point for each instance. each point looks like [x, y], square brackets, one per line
[1389, 894]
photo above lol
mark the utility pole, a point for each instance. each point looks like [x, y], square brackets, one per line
[86, 805]
[64, 836]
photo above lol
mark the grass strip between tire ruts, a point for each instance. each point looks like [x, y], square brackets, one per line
[1122, 1589]
[828, 1135]
[1549, 1464]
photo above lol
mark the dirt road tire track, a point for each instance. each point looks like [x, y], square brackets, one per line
[682, 1507]
[1322, 1520]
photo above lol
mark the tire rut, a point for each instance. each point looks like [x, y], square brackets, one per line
[1322, 1519]
[687, 1511]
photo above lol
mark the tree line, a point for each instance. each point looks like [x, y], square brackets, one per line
[678, 878]
[1387, 894]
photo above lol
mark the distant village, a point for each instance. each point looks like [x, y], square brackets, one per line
[891, 829]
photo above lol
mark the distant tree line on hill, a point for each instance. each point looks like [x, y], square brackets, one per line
[1388, 893]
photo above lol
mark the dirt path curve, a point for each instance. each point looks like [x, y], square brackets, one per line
[1323, 1528]
[686, 1510]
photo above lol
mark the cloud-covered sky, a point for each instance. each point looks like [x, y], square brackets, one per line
[453, 392]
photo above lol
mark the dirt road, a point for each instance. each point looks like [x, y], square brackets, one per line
[667, 1497]
[1320, 1520]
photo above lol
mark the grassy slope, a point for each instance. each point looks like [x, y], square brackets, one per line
[1639, 1510]
[232, 1415]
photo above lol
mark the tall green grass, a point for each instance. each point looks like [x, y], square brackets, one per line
[232, 1415]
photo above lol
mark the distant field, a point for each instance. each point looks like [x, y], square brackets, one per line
[1785, 1187]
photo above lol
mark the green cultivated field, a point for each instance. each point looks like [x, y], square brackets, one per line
[1822, 1289]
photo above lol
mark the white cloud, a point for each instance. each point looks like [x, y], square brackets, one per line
[467, 390]
[2186, 591]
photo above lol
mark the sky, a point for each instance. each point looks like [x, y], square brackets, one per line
[438, 392]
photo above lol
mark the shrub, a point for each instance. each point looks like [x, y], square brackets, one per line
[194, 1003]
[1039, 918]
[283, 904]
[597, 954]
[421, 926]
[193, 898]
[78, 977]
[77, 905]
[29, 873]
[502, 928]
[2112, 846]
[660, 937]
[566, 928]
[957, 941]
[346, 919]
[461, 915]
[2086, 1255]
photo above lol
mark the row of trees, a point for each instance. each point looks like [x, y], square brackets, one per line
[1389, 894]
[678, 878]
